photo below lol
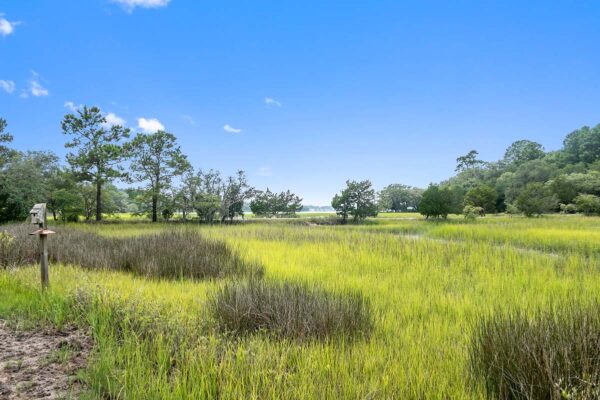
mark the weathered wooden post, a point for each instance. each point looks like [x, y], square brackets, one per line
[38, 217]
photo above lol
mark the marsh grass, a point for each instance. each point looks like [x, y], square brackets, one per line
[158, 338]
[291, 310]
[553, 354]
[173, 253]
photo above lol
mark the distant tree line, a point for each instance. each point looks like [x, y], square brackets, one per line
[163, 183]
[100, 154]
[526, 180]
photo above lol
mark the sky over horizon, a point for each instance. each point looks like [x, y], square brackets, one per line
[304, 95]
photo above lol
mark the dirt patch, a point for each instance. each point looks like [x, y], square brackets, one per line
[41, 364]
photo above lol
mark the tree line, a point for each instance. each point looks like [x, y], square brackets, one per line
[527, 180]
[100, 154]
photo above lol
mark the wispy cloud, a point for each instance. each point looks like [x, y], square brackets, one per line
[265, 170]
[150, 125]
[7, 86]
[230, 129]
[271, 102]
[189, 119]
[7, 27]
[35, 88]
[113, 119]
[130, 5]
[72, 106]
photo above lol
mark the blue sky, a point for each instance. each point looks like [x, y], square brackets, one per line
[386, 90]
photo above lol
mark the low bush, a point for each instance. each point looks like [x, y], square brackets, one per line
[568, 208]
[170, 254]
[554, 354]
[472, 212]
[588, 204]
[290, 310]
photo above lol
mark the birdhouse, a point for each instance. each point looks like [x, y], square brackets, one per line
[38, 214]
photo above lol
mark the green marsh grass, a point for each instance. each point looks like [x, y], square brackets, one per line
[427, 287]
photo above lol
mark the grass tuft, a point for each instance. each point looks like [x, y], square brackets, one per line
[290, 310]
[554, 354]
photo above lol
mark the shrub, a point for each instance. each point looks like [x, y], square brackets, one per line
[170, 254]
[512, 209]
[436, 202]
[554, 354]
[483, 197]
[472, 212]
[588, 204]
[568, 208]
[536, 199]
[290, 310]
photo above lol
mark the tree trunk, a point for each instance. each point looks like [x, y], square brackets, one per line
[98, 201]
[154, 208]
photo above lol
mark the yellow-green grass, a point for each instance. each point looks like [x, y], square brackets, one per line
[427, 282]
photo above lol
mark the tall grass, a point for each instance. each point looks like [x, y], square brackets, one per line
[554, 354]
[290, 310]
[168, 254]
[425, 294]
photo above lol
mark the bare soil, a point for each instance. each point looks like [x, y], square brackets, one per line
[41, 364]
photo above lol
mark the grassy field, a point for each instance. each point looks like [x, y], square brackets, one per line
[428, 284]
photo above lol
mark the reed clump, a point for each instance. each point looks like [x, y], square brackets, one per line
[553, 354]
[175, 254]
[290, 310]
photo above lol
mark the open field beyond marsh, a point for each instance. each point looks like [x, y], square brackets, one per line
[427, 285]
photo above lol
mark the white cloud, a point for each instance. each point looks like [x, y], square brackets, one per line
[35, 87]
[7, 86]
[230, 129]
[150, 125]
[265, 171]
[130, 5]
[7, 27]
[72, 106]
[271, 102]
[114, 119]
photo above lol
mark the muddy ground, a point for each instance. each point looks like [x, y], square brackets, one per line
[42, 363]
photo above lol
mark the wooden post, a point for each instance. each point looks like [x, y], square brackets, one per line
[44, 260]
[43, 233]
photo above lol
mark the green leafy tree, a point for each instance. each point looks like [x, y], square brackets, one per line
[5, 138]
[564, 188]
[68, 205]
[342, 205]
[156, 159]
[288, 203]
[188, 192]
[207, 200]
[468, 161]
[357, 199]
[583, 145]
[25, 181]
[271, 204]
[400, 198]
[536, 199]
[482, 196]
[588, 204]
[98, 149]
[522, 151]
[235, 192]
[436, 202]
